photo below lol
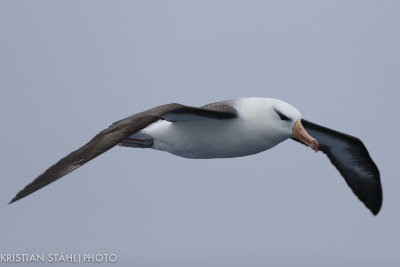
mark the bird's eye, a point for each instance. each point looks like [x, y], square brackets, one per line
[282, 116]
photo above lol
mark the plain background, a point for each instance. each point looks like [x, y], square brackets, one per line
[70, 68]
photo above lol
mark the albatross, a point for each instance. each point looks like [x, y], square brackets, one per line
[227, 129]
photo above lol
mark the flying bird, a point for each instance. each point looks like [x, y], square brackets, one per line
[227, 129]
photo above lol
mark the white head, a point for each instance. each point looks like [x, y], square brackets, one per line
[276, 120]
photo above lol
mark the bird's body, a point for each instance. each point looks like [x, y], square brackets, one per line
[226, 129]
[201, 138]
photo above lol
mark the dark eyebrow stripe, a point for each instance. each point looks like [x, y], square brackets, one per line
[281, 115]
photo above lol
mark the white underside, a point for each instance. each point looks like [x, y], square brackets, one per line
[204, 139]
[212, 138]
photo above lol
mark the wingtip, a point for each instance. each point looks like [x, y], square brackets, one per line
[17, 197]
[375, 210]
[375, 207]
[12, 200]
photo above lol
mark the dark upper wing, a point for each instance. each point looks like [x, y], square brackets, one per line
[217, 110]
[113, 135]
[351, 158]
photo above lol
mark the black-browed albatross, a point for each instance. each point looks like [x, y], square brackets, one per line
[226, 129]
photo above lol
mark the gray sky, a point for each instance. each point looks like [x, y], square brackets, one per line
[70, 68]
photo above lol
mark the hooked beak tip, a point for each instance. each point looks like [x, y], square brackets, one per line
[315, 145]
[301, 134]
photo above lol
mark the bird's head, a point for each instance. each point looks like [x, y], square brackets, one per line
[288, 119]
[280, 121]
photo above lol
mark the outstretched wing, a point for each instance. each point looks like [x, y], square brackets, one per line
[115, 134]
[351, 158]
